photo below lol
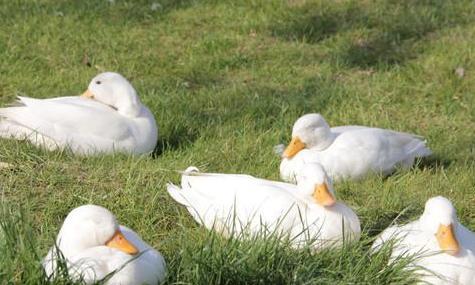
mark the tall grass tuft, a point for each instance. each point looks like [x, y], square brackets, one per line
[209, 258]
[20, 261]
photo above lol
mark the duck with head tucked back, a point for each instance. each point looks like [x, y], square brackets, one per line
[441, 246]
[94, 245]
[108, 117]
[348, 152]
[233, 204]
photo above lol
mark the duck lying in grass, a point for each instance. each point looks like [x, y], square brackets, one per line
[233, 204]
[108, 117]
[95, 247]
[443, 248]
[348, 152]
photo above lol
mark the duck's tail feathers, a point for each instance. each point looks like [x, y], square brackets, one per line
[418, 148]
[191, 170]
[177, 194]
[13, 122]
[10, 129]
[414, 145]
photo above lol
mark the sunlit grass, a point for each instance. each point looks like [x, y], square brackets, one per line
[226, 80]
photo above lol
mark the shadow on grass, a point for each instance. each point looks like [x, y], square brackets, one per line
[376, 224]
[180, 138]
[433, 162]
[381, 34]
[313, 23]
[268, 104]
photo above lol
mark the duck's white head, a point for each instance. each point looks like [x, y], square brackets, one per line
[90, 226]
[312, 180]
[309, 131]
[114, 90]
[440, 219]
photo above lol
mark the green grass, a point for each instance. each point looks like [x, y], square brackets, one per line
[226, 80]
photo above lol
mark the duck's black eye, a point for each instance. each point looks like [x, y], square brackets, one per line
[98, 82]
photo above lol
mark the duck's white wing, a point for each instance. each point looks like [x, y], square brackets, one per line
[466, 238]
[394, 142]
[387, 235]
[95, 264]
[401, 235]
[99, 262]
[90, 265]
[351, 223]
[343, 129]
[413, 145]
[226, 200]
[399, 148]
[226, 189]
[67, 121]
[222, 186]
[355, 153]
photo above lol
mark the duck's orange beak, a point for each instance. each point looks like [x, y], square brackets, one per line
[323, 196]
[119, 242]
[293, 148]
[88, 94]
[447, 240]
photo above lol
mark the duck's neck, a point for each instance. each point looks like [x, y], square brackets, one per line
[129, 109]
[72, 245]
[128, 103]
[322, 140]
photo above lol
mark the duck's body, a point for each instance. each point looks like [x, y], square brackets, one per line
[95, 262]
[232, 204]
[351, 152]
[98, 262]
[357, 151]
[418, 239]
[84, 125]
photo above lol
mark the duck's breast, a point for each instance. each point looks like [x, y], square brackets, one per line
[144, 131]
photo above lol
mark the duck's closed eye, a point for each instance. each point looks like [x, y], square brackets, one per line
[98, 82]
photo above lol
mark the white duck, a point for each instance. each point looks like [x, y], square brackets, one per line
[348, 152]
[108, 117]
[442, 246]
[95, 245]
[234, 204]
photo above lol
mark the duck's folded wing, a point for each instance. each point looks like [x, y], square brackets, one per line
[381, 149]
[344, 129]
[397, 236]
[67, 121]
[466, 238]
[216, 185]
[414, 145]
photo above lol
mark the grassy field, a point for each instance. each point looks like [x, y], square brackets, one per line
[226, 80]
